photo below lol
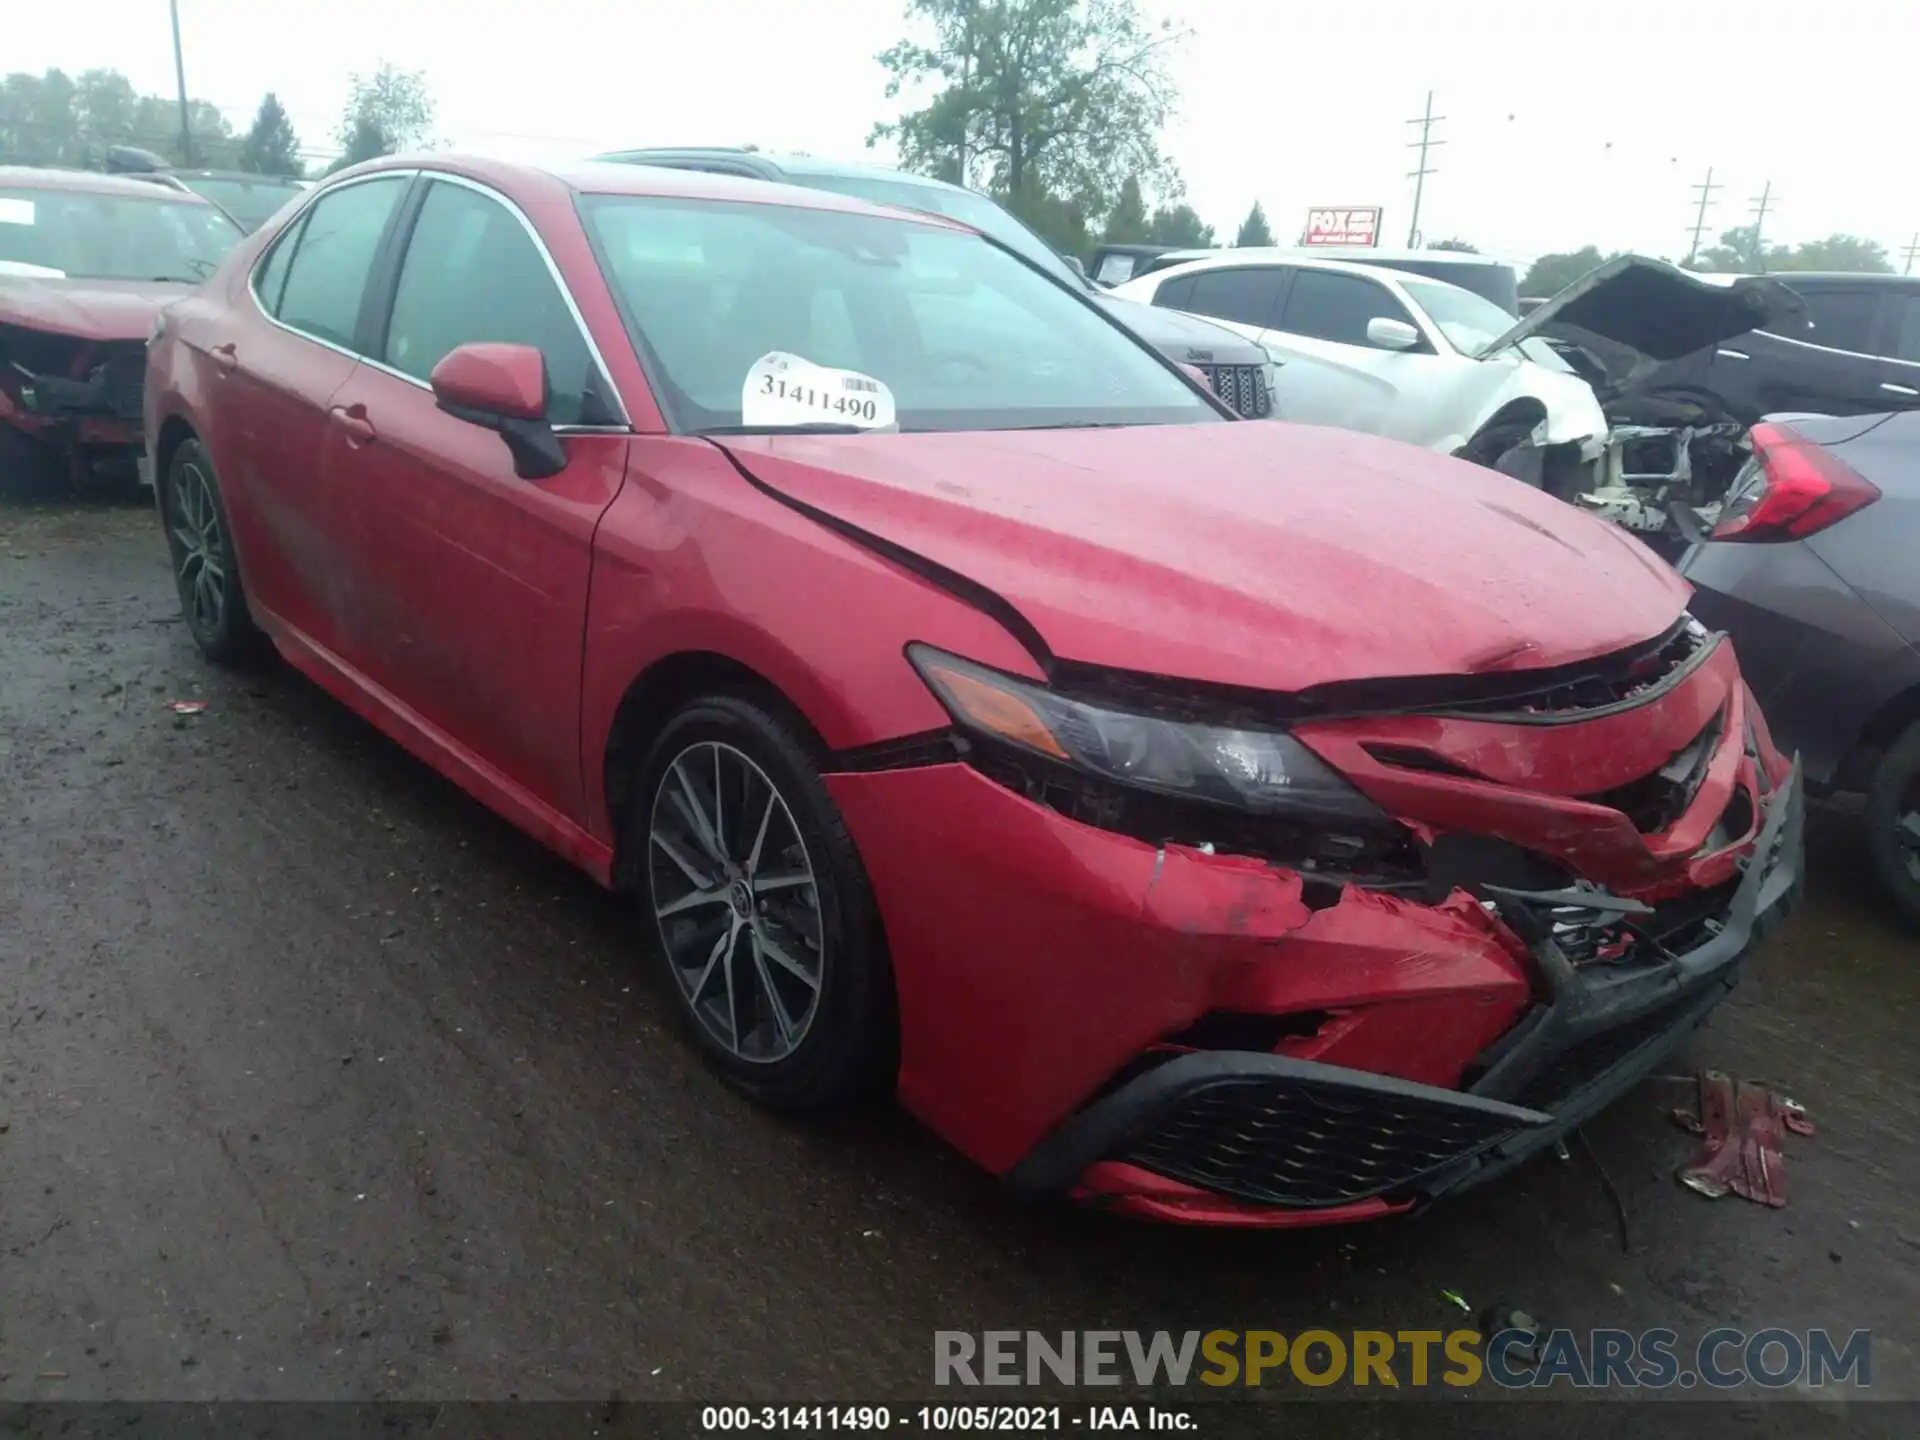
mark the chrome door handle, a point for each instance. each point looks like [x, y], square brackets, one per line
[1733, 354]
[1892, 388]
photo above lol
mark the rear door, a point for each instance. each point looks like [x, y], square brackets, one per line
[468, 584]
[289, 347]
[1335, 375]
[1827, 367]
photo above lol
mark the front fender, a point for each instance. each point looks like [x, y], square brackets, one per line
[691, 558]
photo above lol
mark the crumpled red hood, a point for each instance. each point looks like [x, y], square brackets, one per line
[1259, 553]
[87, 309]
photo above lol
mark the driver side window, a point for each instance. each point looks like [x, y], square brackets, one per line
[472, 273]
[1326, 305]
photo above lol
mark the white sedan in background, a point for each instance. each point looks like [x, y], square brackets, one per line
[1363, 347]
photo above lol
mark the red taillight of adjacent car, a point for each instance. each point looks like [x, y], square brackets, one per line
[1804, 488]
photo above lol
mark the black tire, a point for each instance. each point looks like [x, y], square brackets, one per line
[200, 546]
[1893, 803]
[848, 1045]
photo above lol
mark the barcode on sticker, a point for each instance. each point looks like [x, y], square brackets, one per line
[855, 382]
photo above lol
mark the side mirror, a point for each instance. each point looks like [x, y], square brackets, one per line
[1392, 334]
[503, 388]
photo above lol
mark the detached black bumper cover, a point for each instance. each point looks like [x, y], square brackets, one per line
[1293, 1133]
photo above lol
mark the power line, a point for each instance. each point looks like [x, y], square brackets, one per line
[1759, 224]
[1426, 121]
[1706, 189]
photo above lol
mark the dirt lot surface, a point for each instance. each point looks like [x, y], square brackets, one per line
[317, 1081]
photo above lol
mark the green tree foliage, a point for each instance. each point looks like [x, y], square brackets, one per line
[57, 119]
[1254, 230]
[1178, 225]
[387, 112]
[1127, 220]
[1741, 253]
[1551, 274]
[270, 146]
[1048, 105]
[1460, 245]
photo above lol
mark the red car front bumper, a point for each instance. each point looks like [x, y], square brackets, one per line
[1075, 1004]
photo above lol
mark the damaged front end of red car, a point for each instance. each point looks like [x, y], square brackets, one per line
[78, 399]
[1373, 945]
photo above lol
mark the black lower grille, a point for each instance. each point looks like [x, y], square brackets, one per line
[1244, 387]
[1287, 1140]
[1587, 1060]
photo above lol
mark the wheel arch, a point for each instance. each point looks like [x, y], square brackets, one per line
[1854, 773]
[650, 700]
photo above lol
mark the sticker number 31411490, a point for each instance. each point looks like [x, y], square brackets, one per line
[782, 389]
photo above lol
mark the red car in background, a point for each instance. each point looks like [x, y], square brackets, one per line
[1220, 821]
[86, 263]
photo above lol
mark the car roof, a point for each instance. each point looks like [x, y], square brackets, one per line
[615, 177]
[90, 182]
[783, 163]
[1259, 256]
[245, 176]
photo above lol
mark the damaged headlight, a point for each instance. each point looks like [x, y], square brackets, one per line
[1261, 772]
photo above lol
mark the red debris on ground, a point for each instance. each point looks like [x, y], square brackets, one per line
[1741, 1125]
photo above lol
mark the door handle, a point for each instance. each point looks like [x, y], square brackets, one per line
[1733, 354]
[353, 420]
[1894, 389]
[225, 357]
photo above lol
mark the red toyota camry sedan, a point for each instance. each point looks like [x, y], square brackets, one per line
[1215, 820]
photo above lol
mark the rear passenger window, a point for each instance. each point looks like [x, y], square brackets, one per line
[327, 274]
[1841, 319]
[474, 274]
[1176, 294]
[1325, 305]
[1246, 297]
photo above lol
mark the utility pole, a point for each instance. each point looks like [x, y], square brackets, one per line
[1759, 225]
[180, 77]
[1426, 122]
[1706, 189]
[1912, 250]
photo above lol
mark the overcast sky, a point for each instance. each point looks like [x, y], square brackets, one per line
[1564, 125]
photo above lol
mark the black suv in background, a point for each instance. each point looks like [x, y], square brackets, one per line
[1858, 354]
[1237, 369]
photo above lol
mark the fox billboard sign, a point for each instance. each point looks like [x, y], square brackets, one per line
[1343, 227]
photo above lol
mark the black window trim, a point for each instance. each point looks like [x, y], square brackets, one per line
[376, 303]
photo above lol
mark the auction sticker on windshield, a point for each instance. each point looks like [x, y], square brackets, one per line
[783, 389]
[15, 212]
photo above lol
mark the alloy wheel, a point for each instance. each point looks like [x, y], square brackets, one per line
[200, 563]
[738, 906]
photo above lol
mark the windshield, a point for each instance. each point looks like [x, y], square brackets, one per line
[955, 333]
[113, 237]
[251, 202]
[1470, 323]
[962, 205]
